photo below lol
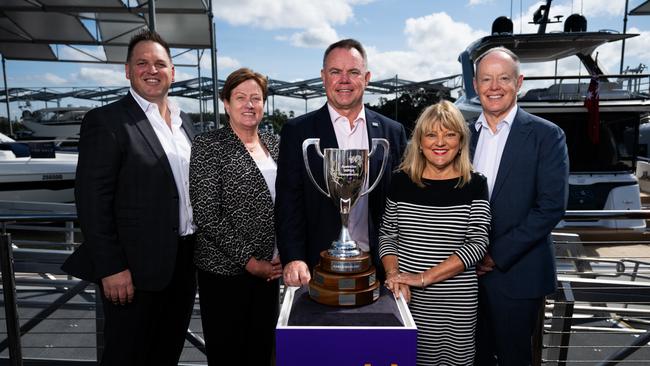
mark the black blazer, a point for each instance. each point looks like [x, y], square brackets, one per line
[528, 199]
[126, 197]
[232, 204]
[306, 220]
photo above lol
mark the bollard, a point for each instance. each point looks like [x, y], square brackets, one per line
[9, 293]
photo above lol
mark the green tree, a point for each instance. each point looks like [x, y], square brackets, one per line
[409, 105]
[278, 119]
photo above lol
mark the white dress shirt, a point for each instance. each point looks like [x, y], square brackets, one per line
[177, 147]
[490, 145]
[355, 137]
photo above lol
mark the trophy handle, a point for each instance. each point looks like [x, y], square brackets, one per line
[305, 145]
[384, 143]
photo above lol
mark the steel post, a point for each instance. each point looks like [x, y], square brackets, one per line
[9, 294]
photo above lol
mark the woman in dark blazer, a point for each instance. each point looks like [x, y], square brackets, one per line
[232, 189]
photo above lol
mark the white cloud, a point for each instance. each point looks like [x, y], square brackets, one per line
[286, 13]
[594, 8]
[46, 79]
[317, 37]
[434, 42]
[76, 54]
[54, 79]
[223, 62]
[101, 76]
[180, 75]
[478, 2]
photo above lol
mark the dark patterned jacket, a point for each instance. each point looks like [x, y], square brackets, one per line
[231, 202]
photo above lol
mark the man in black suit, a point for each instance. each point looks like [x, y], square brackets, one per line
[307, 221]
[133, 205]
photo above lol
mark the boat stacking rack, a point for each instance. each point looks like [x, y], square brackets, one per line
[599, 314]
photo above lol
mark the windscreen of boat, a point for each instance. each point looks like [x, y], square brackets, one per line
[59, 116]
[616, 148]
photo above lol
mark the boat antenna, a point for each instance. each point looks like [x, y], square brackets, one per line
[521, 16]
[541, 17]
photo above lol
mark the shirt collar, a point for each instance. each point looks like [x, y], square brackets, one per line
[508, 120]
[147, 105]
[335, 116]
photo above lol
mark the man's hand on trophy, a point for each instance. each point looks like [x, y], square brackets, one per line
[296, 273]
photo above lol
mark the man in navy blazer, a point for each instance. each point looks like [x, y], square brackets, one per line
[307, 221]
[525, 160]
[133, 204]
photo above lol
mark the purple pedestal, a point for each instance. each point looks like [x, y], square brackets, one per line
[382, 333]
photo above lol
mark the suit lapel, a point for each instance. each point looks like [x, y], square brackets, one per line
[375, 130]
[139, 119]
[325, 130]
[187, 126]
[475, 133]
[516, 141]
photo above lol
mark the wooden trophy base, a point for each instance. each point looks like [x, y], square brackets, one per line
[350, 281]
[344, 298]
[338, 281]
[357, 264]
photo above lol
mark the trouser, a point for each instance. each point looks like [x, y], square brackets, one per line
[505, 329]
[151, 329]
[239, 315]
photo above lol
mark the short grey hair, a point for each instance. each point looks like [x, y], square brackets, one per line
[508, 52]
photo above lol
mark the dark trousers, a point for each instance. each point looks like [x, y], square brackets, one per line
[151, 329]
[505, 328]
[239, 314]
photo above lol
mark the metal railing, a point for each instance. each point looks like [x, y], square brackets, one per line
[600, 314]
[36, 290]
[575, 88]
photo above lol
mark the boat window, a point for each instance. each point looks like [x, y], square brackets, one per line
[615, 150]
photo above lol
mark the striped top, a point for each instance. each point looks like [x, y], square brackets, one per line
[423, 226]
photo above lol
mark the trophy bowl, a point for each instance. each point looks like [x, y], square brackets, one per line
[346, 173]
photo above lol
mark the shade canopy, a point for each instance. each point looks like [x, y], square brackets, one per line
[95, 30]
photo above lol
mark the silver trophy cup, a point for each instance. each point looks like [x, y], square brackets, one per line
[346, 173]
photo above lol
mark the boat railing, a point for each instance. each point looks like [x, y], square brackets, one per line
[600, 313]
[575, 88]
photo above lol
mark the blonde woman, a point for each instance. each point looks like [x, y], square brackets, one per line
[434, 231]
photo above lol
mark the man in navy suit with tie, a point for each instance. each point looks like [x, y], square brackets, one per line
[307, 221]
[525, 160]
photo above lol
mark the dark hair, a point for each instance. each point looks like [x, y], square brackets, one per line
[146, 35]
[239, 76]
[347, 44]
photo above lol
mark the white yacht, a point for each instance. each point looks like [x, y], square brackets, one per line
[55, 123]
[602, 173]
[35, 172]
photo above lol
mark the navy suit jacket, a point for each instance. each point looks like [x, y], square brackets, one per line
[528, 199]
[306, 220]
[126, 197]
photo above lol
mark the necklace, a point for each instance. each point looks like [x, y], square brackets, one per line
[251, 148]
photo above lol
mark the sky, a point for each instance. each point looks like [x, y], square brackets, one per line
[413, 39]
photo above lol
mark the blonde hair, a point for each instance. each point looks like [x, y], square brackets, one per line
[445, 114]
